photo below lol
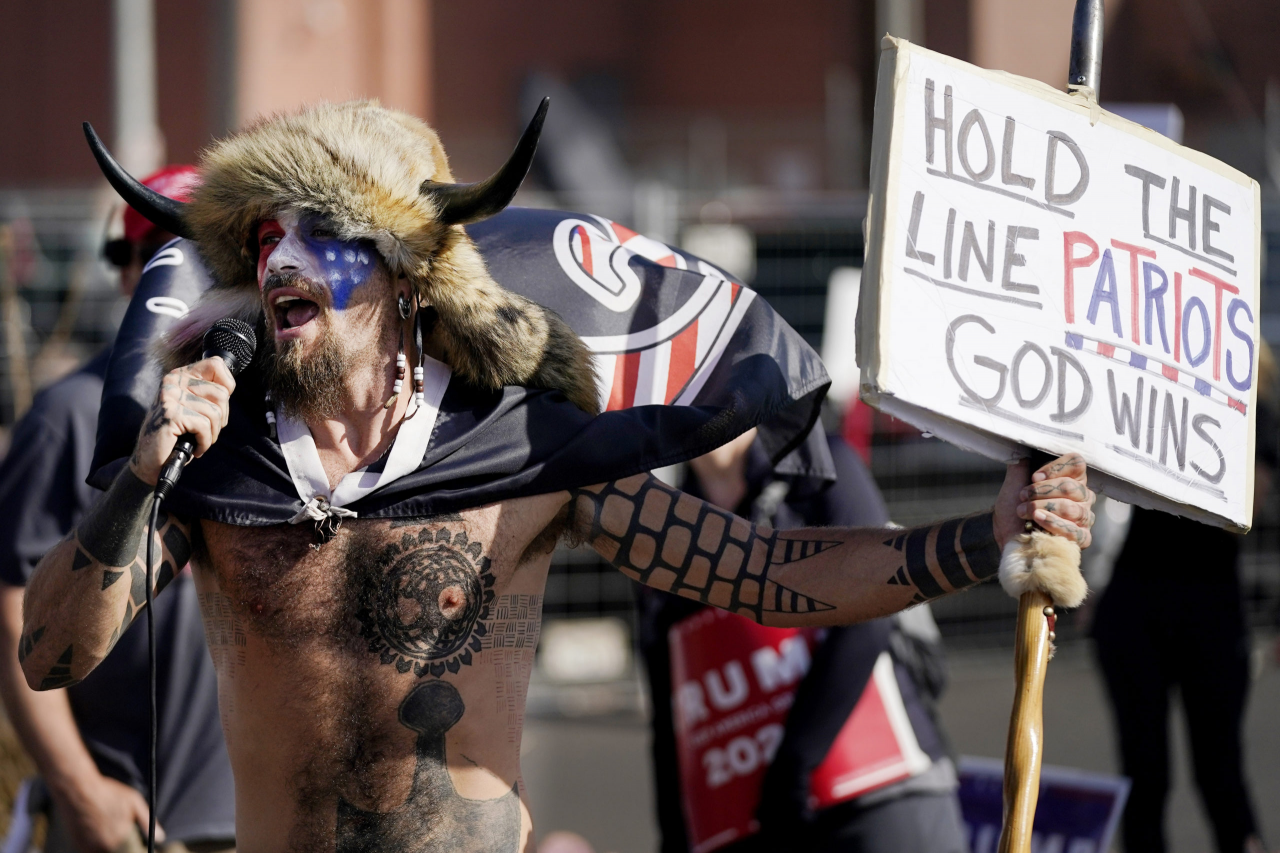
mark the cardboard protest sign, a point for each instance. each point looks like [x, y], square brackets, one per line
[1042, 273]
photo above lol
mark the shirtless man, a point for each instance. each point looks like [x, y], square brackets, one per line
[372, 684]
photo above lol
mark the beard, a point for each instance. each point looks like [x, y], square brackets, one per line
[307, 385]
[308, 381]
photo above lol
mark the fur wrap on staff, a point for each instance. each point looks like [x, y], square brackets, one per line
[1041, 561]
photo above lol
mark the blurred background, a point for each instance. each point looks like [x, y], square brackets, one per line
[739, 129]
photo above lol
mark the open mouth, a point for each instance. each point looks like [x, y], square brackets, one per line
[292, 311]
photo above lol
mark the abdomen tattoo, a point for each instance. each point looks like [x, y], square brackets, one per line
[434, 818]
[675, 542]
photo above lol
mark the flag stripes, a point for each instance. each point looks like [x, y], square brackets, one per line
[656, 375]
[1150, 365]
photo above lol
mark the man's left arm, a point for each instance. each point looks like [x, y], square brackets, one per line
[819, 576]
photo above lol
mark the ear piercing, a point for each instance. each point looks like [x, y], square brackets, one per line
[419, 395]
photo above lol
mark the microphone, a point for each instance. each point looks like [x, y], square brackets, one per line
[234, 341]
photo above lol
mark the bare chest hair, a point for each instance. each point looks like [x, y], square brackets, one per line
[418, 594]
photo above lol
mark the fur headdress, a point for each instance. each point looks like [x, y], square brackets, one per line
[380, 175]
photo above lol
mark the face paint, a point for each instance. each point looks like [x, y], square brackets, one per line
[308, 246]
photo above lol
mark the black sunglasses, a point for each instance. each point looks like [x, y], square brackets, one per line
[121, 252]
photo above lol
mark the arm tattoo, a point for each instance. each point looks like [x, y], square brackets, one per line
[961, 551]
[156, 418]
[114, 527]
[677, 543]
[60, 673]
[28, 642]
[174, 555]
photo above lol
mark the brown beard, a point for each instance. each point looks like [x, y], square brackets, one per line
[310, 386]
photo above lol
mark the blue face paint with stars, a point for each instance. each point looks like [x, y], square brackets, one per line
[343, 265]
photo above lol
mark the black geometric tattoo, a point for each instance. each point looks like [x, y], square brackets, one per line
[433, 818]
[510, 643]
[60, 673]
[174, 555]
[27, 643]
[113, 529]
[424, 604]
[516, 622]
[674, 542]
[963, 551]
[156, 419]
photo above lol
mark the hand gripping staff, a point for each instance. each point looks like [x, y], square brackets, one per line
[1040, 570]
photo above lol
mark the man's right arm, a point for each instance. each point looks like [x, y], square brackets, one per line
[92, 585]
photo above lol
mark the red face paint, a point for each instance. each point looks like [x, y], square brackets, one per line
[270, 233]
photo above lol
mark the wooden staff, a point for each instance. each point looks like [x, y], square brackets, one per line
[1033, 644]
[1024, 749]
[1041, 570]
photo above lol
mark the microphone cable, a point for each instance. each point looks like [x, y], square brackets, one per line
[153, 733]
[234, 341]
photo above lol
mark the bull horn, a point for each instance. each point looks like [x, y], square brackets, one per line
[462, 203]
[162, 211]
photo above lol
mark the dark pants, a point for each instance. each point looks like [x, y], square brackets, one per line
[914, 823]
[1152, 635]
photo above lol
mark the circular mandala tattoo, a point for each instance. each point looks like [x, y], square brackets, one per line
[425, 610]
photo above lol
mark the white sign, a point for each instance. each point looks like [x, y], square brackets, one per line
[1043, 273]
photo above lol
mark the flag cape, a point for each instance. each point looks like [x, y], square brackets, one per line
[687, 359]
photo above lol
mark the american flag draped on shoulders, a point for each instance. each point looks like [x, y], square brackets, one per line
[686, 359]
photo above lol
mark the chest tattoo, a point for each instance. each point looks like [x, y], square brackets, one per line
[425, 605]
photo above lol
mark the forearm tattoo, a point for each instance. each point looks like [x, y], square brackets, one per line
[60, 673]
[946, 557]
[27, 643]
[173, 555]
[677, 543]
[113, 529]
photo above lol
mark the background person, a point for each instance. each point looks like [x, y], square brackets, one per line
[89, 741]
[1173, 615]
[920, 813]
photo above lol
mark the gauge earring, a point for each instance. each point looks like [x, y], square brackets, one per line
[402, 363]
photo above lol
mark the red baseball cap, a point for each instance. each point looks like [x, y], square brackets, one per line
[176, 182]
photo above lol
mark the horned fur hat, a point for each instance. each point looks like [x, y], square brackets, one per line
[375, 174]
